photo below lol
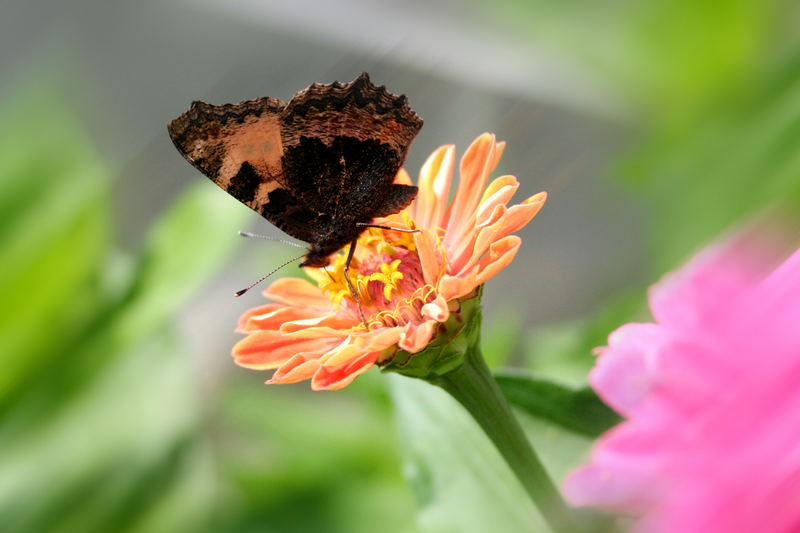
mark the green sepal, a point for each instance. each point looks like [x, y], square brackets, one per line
[457, 336]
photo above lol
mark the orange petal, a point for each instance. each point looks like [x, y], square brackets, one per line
[451, 287]
[331, 325]
[429, 257]
[377, 339]
[279, 317]
[512, 220]
[241, 326]
[500, 255]
[499, 148]
[402, 177]
[499, 192]
[265, 350]
[520, 214]
[336, 378]
[296, 291]
[417, 335]
[357, 345]
[436, 310]
[301, 366]
[474, 170]
[461, 256]
[434, 187]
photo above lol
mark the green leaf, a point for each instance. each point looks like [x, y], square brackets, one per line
[54, 225]
[195, 237]
[289, 450]
[724, 165]
[460, 481]
[659, 58]
[121, 444]
[500, 336]
[576, 410]
[563, 352]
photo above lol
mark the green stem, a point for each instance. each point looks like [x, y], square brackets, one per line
[474, 387]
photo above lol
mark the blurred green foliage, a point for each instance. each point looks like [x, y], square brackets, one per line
[107, 423]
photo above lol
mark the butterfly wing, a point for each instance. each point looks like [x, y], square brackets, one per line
[343, 146]
[313, 167]
[239, 147]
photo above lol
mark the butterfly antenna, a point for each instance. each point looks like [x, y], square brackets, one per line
[239, 293]
[256, 236]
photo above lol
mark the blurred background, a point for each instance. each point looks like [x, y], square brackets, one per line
[654, 125]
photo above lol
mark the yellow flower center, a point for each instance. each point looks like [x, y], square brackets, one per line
[386, 274]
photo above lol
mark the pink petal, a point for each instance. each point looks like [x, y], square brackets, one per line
[627, 368]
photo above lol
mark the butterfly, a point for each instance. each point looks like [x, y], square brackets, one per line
[321, 167]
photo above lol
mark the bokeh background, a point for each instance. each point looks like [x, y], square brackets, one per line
[655, 126]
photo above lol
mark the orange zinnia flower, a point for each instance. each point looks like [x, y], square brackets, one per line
[408, 283]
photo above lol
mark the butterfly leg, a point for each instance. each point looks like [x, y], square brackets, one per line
[350, 284]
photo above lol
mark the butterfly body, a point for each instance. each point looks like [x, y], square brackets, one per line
[319, 167]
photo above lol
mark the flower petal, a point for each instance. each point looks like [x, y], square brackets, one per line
[451, 287]
[402, 177]
[476, 164]
[504, 223]
[338, 377]
[601, 484]
[297, 291]
[277, 318]
[241, 326]
[331, 325]
[266, 350]
[499, 148]
[501, 253]
[499, 192]
[469, 250]
[429, 256]
[300, 367]
[357, 345]
[417, 335]
[626, 369]
[436, 310]
[434, 187]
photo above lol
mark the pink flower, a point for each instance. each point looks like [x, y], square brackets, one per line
[408, 284]
[711, 394]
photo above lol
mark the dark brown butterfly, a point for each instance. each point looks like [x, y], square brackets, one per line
[320, 168]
